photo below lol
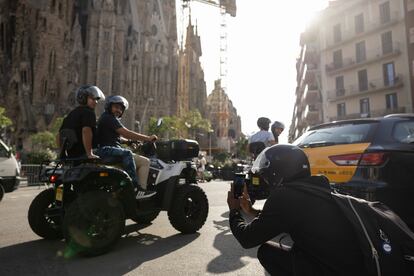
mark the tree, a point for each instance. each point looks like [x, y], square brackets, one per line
[4, 120]
[56, 125]
[241, 147]
[194, 122]
[43, 140]
[168, 129]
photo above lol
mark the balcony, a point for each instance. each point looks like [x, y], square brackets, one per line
[371, 27]
[373, 86]
[311, 54]
[372, 114]
[310, 94]
[370, 57]
[310, 73]
[311, 114]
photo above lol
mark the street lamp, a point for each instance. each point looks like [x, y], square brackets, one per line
[144, 114]
[209, 141]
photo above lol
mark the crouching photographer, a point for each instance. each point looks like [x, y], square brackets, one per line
[324, 241]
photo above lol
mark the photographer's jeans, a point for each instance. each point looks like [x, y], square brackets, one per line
[128, 162]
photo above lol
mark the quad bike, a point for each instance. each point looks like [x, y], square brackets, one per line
[91, 198]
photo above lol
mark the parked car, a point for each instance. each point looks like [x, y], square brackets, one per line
[367, 158]
[9, 170]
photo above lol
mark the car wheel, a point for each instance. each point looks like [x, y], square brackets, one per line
[189, 209]
[44, 217]
[93, 223]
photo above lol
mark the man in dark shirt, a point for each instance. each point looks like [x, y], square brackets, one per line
[324, 241]
[82, 120]
[110, 134]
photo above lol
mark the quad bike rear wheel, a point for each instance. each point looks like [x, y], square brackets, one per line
[44, 217]
[189, 209]
[93, 223]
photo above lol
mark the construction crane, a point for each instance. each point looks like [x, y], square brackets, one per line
[226, 7]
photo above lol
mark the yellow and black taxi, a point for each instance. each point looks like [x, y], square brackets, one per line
[371, 158]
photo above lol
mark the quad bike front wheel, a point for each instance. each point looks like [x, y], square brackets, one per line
[44, 217]
[189, 209]
[94, 222]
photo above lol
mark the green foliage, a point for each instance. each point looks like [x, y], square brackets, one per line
[56, 125]
[4, 120]
[36, 157]
[221, 157]
[241, 148]
[195, 122]
[174, 127]
[169, 128]
[43, 140]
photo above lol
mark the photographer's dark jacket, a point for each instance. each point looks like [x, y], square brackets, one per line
[317, 227]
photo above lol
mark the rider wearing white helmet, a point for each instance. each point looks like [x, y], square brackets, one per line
[111, 132]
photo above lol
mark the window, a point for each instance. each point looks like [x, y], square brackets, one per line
[359, 23]
[404, 132]
[4, 151]
[60, 9]
[360, 51]
[2, 37]
[385, 15]
[337, 59]
[363, 80]
[386, 42]
[346, 133]
[337, 35]
[106, 36]
[389, 74]
[364, 107]
[391, 101]
[52, 6]
[341, 112]
[339, 85]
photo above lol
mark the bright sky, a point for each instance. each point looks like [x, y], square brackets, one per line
[263, 44]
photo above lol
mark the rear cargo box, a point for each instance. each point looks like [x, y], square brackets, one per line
[177, 150]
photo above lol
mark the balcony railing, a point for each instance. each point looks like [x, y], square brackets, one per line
[311, 53]
[311, 114]
[370, 56]
[349, 34]
[372, 114]
[372, 86]
[310, 94]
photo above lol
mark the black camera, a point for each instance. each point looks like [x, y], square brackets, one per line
[238, 184]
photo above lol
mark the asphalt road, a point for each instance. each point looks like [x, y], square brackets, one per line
[156, 249]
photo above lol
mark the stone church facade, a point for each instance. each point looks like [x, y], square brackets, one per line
[50, 47]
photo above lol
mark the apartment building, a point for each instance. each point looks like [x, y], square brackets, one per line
[308, 109]
[364, 62]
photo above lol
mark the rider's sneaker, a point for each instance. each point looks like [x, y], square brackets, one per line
[141, 193]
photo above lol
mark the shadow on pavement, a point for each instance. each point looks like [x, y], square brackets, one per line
[230, 249]
[42, 257]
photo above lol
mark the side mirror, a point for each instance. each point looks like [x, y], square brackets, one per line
[159, 122]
